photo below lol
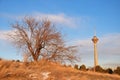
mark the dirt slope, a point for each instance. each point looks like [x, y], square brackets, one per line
[44, 70]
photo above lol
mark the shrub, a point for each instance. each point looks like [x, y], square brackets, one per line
[109, 70]
[13, 60]
[0, 59]
[65, 65]
[69, 66]
[99, 69]
[17, 60]
[82, 67]
[76, 66]
[117, 70]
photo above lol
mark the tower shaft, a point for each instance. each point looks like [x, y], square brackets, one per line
[95, 40]
[95, 55]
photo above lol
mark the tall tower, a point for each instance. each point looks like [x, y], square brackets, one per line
[95, 40]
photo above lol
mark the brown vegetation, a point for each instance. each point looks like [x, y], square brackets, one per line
[98, 69]
[46, 70]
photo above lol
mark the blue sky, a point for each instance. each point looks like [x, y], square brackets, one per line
[76, 19]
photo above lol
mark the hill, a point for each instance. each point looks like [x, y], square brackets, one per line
[45, 70]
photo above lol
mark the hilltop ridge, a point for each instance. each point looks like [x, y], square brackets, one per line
[45, 70]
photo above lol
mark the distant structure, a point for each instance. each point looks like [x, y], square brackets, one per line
[95, 40]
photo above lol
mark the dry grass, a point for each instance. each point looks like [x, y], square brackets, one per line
[44, 70]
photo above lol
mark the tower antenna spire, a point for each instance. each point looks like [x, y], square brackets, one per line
[95, 31]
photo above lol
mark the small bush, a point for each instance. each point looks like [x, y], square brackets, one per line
[82, 67]
[13, 60]
[69, 66]
[99, 69]
[0, 59]
[76, 66]
[109, 70]
[17, 60]
[65, 65]
[117, 70]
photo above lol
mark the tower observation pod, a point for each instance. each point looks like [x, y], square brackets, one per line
[95, 40]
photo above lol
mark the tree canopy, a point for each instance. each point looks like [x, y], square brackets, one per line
[40, 39]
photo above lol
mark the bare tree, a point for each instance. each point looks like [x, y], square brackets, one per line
[40, 39]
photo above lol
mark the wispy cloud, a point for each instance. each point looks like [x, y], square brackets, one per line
[58, 18]
[110, 44]
[5, 35]
[61, 18]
